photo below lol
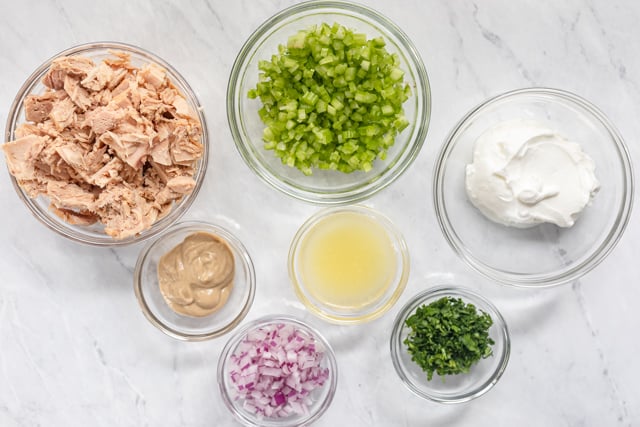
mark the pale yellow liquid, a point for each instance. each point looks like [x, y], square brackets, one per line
[347, 260]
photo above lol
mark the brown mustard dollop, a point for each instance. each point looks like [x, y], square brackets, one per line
[196, 276]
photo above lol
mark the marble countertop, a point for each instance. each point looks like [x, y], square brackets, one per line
[76, 350]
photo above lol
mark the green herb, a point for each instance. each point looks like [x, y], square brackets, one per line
[331, 99]
[448, 336]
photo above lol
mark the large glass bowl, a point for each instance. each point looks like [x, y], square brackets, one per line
[543, 255]
[94, 234]
[324, 186]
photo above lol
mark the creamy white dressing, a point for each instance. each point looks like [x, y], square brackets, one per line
[524, 174]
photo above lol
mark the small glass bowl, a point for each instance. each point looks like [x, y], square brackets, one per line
[322, 396]
[94, 234]
[325, 186]
[452, 388]
[543, 255]
[188, 328]
[363, 313]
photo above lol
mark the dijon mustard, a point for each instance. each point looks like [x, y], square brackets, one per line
[196, 276]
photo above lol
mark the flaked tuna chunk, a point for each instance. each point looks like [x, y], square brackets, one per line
[185, 151]
[53, 166]
[78, 136]
[26, 129]
[152, 76]
[118, 75]
[64, 195]
[126, 94]
[166, 196]
[77, 93]
[98, 78]
[124, 211]
[102, 119]
[75, 66]
[158, 173]
[168, 94]
[73, 155]
[108, 173]
[38, 107]
[75, 218]
[138, 147]
[150, 105]
[131, 148]
[21, 154]
[133, 122]
[160, 152]
[181, 184]
[182, 107]
[119, 60]
[33, 187]
[62, 114]
[171, 97]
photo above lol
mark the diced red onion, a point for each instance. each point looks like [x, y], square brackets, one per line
[275, 368]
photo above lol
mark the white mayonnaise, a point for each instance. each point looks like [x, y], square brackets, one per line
[525, 174]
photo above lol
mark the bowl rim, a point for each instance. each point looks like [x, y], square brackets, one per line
[269, 319]
[537, 280]
[241, 253]
[63, 229]
[398, 287]
[369, 188]
[468, 296]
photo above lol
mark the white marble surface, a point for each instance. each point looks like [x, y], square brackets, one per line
[75, 349]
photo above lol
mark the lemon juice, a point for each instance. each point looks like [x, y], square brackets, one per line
[347, 260]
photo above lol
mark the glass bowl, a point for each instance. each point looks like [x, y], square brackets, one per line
[452, 388]
[321, 396]
[543, 255]
[94, 234]
[325, 186]
[187, 328]
[312, 290]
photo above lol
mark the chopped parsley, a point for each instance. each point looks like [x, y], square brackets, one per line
[448, 336]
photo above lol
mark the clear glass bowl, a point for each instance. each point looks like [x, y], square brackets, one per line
[543, 255]
[94, 234]
[187, 328]
[325, 187]
[452, 388]
[322, 396]
[350, 314]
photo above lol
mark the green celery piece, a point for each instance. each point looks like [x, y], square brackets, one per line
[448, 336]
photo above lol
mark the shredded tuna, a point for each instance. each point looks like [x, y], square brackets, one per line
[73, 217]
[108, 143]
[20, 155]
[38, 108]
[73, 66]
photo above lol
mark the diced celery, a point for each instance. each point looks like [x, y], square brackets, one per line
[387, 109]
[309, 98]
[396, 74]
[331, 99]
[365, 97]
[297, 40]
[321, 106]
[337, 104]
